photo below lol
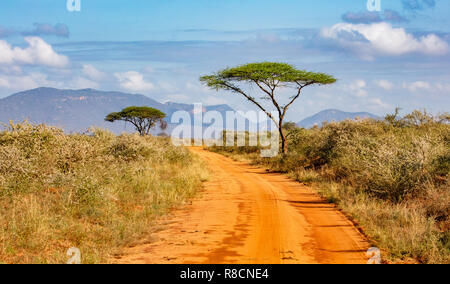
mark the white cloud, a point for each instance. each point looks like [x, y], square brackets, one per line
[417, 86]
[385, 84]
[93, 73]
[358, 88]
[38, 52]
[133, 81]
[381, 38]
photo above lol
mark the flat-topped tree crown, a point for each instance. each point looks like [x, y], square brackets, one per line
[134, 111]
[143, 118]
[274, 74]
[268, 76]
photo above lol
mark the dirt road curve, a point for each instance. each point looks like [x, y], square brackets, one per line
[246, 216]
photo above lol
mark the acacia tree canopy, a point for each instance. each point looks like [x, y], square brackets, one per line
[143, 118]
[268, 77]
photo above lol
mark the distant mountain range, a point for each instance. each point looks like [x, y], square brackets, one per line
[77, 110]
[331, 115]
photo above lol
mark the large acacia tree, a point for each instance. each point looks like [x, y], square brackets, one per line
[143, 118]
[269, 77]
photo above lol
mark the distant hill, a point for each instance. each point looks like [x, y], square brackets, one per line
[330, 115]
[77, 110]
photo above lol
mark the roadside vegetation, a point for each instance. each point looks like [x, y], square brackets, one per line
[97, 191]
[390, 176]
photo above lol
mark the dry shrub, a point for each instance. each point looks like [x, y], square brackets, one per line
[96, 191]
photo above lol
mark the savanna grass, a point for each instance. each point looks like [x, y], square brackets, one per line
[97, 191]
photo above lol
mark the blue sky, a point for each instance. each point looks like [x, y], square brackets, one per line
[398, 56]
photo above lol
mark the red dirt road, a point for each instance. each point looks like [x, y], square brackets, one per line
[248, 216]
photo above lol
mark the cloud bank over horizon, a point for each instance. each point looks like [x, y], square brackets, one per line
[382, 60]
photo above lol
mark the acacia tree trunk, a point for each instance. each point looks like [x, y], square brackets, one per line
[284, 146]
[140, 128]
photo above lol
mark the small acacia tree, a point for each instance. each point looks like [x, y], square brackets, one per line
[268, 77]
[143, 118]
